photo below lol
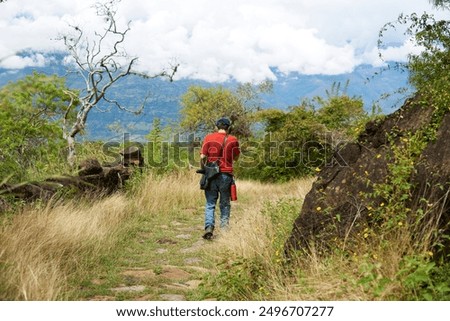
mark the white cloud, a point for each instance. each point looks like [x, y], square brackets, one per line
[18, 62]
[397, 53]
[219, 40]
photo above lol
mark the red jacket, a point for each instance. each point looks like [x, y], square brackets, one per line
[212, 148]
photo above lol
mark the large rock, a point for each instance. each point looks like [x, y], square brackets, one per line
[337, 207]
[92, 178]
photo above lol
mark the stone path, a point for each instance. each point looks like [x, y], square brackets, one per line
[164, 265]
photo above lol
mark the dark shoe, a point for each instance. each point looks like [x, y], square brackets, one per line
[208, 233]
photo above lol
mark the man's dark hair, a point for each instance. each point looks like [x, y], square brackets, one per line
[223, 123]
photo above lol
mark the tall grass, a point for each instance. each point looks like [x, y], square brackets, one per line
[249, 257]
[162, 194]
[251, 265]
[42, 248]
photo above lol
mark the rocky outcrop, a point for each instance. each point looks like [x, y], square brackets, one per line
[338, 204]
[92, 177]
[101, 180]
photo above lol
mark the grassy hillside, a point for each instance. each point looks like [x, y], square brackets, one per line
[145, 244]
[88, 249]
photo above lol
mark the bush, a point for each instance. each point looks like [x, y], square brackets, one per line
[31, 111]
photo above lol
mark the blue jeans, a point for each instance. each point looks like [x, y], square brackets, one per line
[219, 185]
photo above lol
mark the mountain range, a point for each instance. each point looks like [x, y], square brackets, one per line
[163, 97]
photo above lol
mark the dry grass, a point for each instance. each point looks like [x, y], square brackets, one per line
[253, 239]
[254, 235]
[42, 248]
[251, 230]
[163, 194]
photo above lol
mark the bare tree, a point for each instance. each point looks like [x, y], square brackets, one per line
[101, 62]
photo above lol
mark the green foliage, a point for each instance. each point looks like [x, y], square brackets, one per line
[201, 107]
[31, 112]
[291, 147]
[417, 275]
[242, 279]
[429, 70]
[423, 280]
[396, 191]
[301, 139]
[277, 145]
[372, 279]
[398, 216]
[282, 214]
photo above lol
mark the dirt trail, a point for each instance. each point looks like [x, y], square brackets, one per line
[161, 262]
[166, 257]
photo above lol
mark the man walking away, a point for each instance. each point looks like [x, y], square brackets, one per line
[222, 149]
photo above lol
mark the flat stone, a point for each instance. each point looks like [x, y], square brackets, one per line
[176, 286]
[172, 297]
[197, 269]
[139, 274]
[147, 297]
[193, 284]
[133, 288]
[189, 285]
[174, 273]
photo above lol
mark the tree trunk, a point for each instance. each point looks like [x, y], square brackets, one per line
[71, 155]
[76, 128]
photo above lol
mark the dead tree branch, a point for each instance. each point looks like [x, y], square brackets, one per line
[101, 62]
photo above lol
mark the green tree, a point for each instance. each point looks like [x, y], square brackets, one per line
[201, 107]
[429, 69]
[339, 112]
[31, 114]
[299, 140]
[156, 133]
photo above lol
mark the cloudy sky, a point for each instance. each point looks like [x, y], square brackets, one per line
[217, 40]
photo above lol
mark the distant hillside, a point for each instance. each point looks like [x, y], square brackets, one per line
[163, 102]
